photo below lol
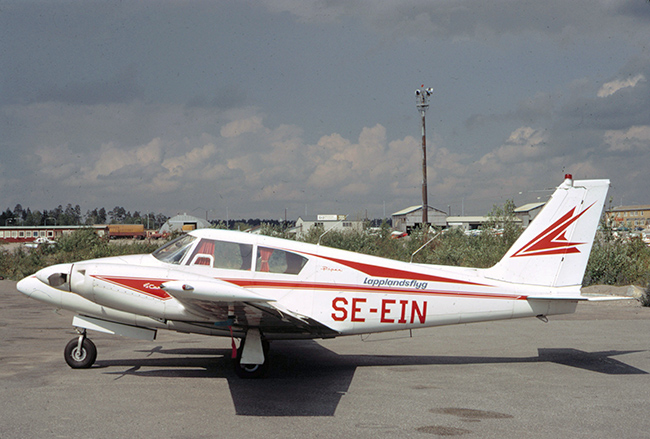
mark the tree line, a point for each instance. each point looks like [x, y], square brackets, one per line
[72, 216]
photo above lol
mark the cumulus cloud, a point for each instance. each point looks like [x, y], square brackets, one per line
[239, 127]
[524, 144]
[636, 138]
[609, 88]
[262, 169]
[245, 161]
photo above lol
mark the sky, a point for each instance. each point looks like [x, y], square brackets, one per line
[261, 109]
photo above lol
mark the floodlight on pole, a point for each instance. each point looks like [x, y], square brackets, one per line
[422, 103]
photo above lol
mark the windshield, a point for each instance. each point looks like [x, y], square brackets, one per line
[173, 251]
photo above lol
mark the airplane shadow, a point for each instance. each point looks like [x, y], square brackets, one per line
[306, 379]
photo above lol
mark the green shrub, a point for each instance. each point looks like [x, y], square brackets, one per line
[615, 261]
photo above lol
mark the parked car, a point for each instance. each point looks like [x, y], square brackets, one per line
[41, 240]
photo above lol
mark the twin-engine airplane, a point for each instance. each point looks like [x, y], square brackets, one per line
[259, 288]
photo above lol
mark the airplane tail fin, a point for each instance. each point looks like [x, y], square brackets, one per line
[554, 249]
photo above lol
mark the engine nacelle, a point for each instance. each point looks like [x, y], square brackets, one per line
[124, 288]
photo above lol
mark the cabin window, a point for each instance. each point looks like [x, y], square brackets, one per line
[271, 260]
[173, 251]
[222, 254]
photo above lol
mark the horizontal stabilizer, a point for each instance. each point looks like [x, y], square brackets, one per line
[210, 290]
[608, 298]
[581, 298]
[578, 298]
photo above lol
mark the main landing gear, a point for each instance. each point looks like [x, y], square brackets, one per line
[252, 356]
[80, 352]
[251, 361]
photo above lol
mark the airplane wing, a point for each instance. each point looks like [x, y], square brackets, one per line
[244, 308]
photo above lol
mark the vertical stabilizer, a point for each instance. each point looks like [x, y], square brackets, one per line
[554, 249]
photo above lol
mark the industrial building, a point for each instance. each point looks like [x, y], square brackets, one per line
[630, 217]
[407, 219]
[527, 212]
[183, 223]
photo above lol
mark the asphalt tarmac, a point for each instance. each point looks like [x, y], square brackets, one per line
[581, 376]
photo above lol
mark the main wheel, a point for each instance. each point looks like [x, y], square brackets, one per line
[251, 371]
[80, 358]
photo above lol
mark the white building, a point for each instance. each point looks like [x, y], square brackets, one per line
[327, 222]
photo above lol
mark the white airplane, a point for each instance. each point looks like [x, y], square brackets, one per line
[258, 288]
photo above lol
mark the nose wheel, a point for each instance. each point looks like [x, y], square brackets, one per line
[80, 352]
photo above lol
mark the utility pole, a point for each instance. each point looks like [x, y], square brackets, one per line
[422, 103]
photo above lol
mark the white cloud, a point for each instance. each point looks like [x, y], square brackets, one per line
[276, 165]
[525, 144]
[239, 127]
[609, 88]
[636, 138]
[187, 165]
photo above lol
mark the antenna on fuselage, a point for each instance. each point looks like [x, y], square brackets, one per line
[331, 228]
[424, 245]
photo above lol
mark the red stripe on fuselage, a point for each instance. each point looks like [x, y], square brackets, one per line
[338, 288]
[379, 271]
[151, 287]
[148, 286]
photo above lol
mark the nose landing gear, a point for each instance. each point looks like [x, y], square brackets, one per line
[80, 352]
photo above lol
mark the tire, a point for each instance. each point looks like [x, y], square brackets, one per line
[80, 359]
[251, 371]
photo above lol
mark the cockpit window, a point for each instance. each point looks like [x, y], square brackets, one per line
[222, 254]
[173, 251]
[273, 260]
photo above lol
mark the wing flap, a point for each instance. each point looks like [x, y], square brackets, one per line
[296, 320]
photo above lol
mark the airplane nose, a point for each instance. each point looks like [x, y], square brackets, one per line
[56, 276]
[27, 285]
[33, 287]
